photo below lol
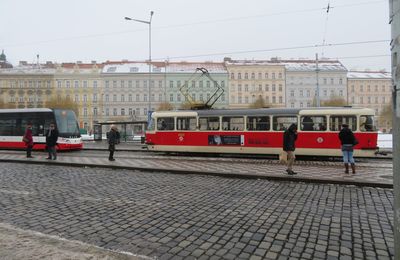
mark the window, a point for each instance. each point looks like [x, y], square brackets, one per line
[58, 83]
[122, 111]
[313, 123]
[122, 98]
[95, 84]
[331, 81]
[114, 98]
[107, 84]
[137, 97]
[171, 84]
[171, 97]
[273, 87]
[335, 122]
[178, 97]
[209, 123]
[130, 97]
[273, 75]
[340, 81]
[246, 75]
[280, 75]
[367, 123]
[258, 123]
[85, 98]
[76, 84]
[266, 75]
[281, 123]
[239, 75]
[114, 111]
[68, 83]
[253, 75]
[76, 98]
[107, 98]
[95, 111]
[232, 75]
[201, 84]
[165, 123]
[107, 111]
[186, 123]
[130, 84]
[233, 123]
[122, 83]
[114, 84]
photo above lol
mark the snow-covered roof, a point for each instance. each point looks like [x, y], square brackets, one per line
[369, 75]
[27, 70]
[137, 67]
[190, 67]
[311, 65]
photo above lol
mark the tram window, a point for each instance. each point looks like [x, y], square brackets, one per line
[7, 126]
[209, 123]
[233, 123]
[165, 123]
[335, 122]
[313, 123]
[281, 123]
[367, 123]
[186, 123]
[258, 123]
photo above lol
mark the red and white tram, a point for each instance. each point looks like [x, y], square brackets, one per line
[260, 131]
[13, 124]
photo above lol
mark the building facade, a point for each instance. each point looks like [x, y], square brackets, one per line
[373, 90]
[126, 90]
[26, 86]
[251, 80]
[302, 77]
[81, 83]
[196, 84]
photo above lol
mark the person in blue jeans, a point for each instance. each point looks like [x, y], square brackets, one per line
[348, 141]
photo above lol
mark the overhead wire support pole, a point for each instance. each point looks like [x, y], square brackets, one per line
[149, 85]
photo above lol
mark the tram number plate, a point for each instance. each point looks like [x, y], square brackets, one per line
[225, 140]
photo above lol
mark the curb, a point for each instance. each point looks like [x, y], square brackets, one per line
[284, 178]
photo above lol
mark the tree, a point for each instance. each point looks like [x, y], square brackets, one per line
[386, 116]
[165, 106]
[259, 103]
[334, 102]
[5, 105]
[63, 103]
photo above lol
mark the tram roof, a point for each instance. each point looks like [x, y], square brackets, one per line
[268, 111]
[25, 110]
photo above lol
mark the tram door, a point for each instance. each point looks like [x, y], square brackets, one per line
[97, 133]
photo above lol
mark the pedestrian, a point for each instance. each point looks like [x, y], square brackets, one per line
[289, 140]
[113, 139]
[28, 140]
[51, 142]
[348, 141]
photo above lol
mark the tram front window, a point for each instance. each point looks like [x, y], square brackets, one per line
[66, 123]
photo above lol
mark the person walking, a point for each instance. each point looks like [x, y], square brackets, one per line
[348, 141]
[113, 139]
[289, 140]
[51, 142]
[28, 140]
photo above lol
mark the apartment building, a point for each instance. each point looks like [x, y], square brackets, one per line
[253, 79]
[302, 77]
[127, 92]
[200, 86]
[26, 85]
[82, 84]
[371, 89]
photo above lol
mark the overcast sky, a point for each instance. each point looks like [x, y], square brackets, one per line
[86, 30]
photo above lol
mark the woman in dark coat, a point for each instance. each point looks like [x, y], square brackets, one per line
[51, 142]
[289, 140]
[348, 141]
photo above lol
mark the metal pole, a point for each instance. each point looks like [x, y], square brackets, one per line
[151, 15]
[317, 90]
[394, 17]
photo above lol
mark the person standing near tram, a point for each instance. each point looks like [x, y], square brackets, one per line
[289, 145]
[348, 142]
[28, 140]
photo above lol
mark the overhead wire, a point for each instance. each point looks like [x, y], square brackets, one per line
[189, 24]
[274, 49]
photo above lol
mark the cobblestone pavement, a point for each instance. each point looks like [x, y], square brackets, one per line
[369, 172]
[172, 216]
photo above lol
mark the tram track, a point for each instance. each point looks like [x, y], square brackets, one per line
[149, 155]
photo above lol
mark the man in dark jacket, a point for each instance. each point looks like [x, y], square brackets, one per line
[347, 140]
[51, 142]
[289, 140]
[113, 139]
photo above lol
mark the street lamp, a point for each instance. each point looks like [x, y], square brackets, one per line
[149, 23]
